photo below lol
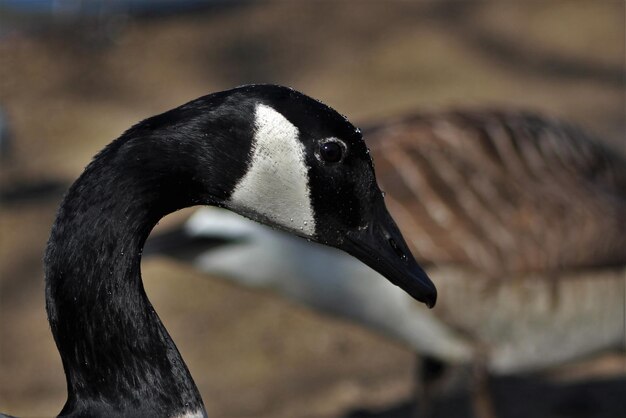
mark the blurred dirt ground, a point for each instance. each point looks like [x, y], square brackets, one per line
[69, 89]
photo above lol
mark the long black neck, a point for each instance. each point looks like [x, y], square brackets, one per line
[118, 358]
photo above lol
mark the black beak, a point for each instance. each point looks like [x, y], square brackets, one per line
[380, 245]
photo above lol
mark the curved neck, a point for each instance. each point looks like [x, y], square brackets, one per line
[118, 358]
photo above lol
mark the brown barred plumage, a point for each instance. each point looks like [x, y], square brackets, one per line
[504, 191]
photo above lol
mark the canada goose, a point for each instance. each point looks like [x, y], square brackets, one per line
[519, 218]
[264, 151]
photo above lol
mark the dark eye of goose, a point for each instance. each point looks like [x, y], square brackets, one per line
[331, 151]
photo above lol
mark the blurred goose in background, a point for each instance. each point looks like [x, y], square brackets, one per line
[519, 218]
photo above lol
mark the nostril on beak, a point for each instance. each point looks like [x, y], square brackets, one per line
[397, 249]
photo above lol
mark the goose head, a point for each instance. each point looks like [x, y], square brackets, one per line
[307, 170]
[267, 152]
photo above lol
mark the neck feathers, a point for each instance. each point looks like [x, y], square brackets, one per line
[117, 355]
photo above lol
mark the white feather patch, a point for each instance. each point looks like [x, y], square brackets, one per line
[276, 184]
[191, 414]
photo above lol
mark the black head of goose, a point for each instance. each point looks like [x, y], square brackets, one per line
[267, 152]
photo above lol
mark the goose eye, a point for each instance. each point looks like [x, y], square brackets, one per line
[331, 151]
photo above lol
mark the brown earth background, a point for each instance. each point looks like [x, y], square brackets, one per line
[69, 87]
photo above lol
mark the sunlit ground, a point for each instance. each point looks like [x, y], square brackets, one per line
[68, 91]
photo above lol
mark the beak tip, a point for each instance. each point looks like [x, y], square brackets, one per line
[430, 297]
[425, 290]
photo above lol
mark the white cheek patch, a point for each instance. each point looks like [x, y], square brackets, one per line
[275, 187]
[191, 414]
